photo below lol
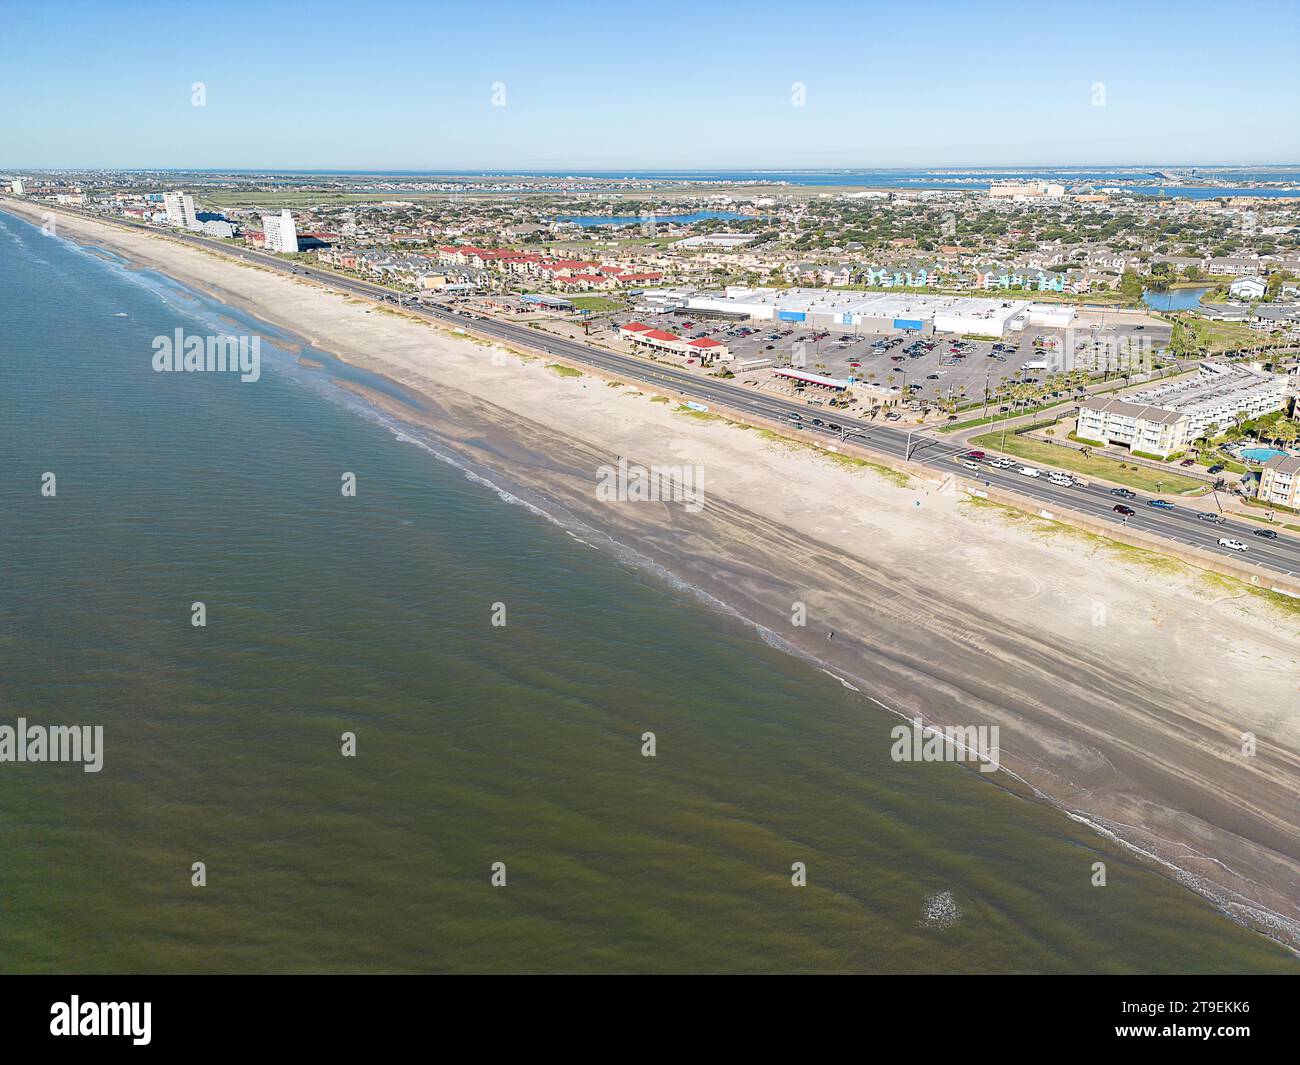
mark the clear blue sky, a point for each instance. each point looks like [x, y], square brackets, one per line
[633, 86]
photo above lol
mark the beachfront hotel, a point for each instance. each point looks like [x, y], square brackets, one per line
[281, 234]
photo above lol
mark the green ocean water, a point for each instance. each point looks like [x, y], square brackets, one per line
[477, 744]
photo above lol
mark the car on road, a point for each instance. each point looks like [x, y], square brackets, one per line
[1162, 504]
[1029, 471]
[1267, 534]
[1120, 508]
[818, 421]
[1061, 480]
[1231, 544]
[1123, 493]
[976, 455]
[1218, 467]
[970, 465]
[795, 417]
[1188, 462]
[1211, 515]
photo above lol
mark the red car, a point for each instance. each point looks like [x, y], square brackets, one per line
[1188, 462]
[976, 455]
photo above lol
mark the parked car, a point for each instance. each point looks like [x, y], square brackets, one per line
[1120, 508]
[1231, 544]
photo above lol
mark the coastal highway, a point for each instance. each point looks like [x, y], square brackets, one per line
[1180, 524]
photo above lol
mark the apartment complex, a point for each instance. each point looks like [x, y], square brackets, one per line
[1166, 419]
[180, 210]
[1140, 427]
[1279, 481]
[281, 234]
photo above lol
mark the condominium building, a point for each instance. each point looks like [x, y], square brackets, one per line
[1166, 419]
[1279, 481]
[1139, 427]
[16, 186]
[281, 235]
[180, 210]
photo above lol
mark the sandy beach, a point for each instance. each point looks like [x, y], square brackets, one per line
[1122, 683]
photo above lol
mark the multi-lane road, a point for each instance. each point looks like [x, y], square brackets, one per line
[1181, 524]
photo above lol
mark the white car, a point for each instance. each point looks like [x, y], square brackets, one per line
[971, 465]
[1029, 471]
[1062, 480]
[1231, 544]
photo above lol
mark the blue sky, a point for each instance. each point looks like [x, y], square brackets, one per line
[634, 86]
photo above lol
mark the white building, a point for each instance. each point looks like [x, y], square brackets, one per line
[874, 312]
[1164, 420]
[281, 235]
[217, 227]
[16, 186]
[1025, 190]
[1248, 288]
[180, 209]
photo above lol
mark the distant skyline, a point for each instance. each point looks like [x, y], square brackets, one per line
[754, 86]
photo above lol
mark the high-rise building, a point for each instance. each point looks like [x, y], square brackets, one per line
[281, 235]
[180, 210]
[16, 186]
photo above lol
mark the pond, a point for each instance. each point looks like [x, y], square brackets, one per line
[1174, 299]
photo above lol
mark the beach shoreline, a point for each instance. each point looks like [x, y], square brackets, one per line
[941, 607]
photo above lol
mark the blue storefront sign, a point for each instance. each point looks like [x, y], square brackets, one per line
[908, 323]
[791, 316]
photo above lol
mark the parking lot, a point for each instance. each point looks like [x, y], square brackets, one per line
[912, 371]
